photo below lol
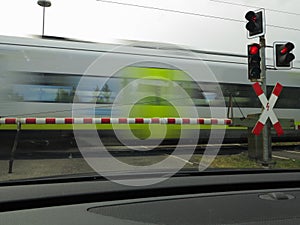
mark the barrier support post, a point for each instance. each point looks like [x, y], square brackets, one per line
[14, 148]
[230, 107]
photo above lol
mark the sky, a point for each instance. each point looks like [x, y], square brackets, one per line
[106, 21]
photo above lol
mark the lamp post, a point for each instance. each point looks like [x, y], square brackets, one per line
[44, 4]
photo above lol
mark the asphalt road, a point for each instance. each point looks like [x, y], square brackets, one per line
[32, 168]
[55, 163]
[287, 154]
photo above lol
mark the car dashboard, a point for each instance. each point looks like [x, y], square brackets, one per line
[244, 199]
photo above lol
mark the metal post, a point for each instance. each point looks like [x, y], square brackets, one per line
[43, 21]
[44, 4]
[230, 108]
[267, 146]
[14, 148]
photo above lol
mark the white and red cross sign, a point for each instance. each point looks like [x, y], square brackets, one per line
[268, 109]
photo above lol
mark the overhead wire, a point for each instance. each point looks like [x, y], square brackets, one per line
[268, 9]
[171, 10]
[252, 6]
[194, 14]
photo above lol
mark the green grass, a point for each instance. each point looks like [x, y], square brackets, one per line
[241, 161]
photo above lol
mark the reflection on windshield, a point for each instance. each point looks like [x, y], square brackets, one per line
[163, 111]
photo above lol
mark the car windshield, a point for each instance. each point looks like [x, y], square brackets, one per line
[148, 87]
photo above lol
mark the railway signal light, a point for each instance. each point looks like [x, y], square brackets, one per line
[254, 59]
[283, 56]
[256, 24]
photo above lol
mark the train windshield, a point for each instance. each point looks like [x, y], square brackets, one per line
[71, 107]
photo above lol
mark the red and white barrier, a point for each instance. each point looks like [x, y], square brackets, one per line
[207, 121]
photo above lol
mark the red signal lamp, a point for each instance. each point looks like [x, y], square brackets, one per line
[254, 49]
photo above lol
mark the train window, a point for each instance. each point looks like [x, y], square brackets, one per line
[49, 87]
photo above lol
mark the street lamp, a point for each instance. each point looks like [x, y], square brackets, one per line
[44, 4]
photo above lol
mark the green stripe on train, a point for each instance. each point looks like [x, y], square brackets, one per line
[116, 126]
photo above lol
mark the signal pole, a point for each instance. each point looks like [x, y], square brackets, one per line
[267, 141]
[256, 28]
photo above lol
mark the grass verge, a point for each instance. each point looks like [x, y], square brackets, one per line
[241, 161]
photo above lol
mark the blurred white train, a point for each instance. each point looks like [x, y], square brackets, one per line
[47, 77]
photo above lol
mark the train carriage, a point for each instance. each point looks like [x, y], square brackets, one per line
[47, 77]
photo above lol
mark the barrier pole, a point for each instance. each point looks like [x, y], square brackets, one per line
[14, 148]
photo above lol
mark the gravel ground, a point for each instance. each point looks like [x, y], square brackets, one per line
[42, 167]
[33, 168]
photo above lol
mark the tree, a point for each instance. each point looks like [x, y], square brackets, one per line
[62, 96]
[73, 95]
[103, 95]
